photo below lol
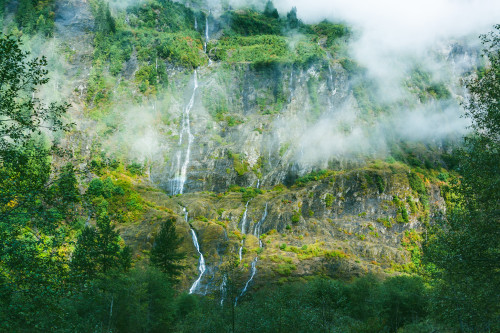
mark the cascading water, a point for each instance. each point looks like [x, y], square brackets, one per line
[201, 266]
[257, 229]
[256, 233]
[243, 231]
[290, 86]
[223, 290]
[254, 270]
[244, 219]
[207, 36]
[177, 184]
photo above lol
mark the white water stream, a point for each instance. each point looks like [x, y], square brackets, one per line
[207, 36]
[185, 135]
[201, 266]
[256, 233]
[243, 224]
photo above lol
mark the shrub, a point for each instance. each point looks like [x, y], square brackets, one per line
[329, 200]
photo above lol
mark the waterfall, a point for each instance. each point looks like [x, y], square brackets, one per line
[195, 23]
[254, 270]
[177, 184]
[207, 36]
[244, 219]
[256, 233]
[257, 229]
[201, 265]
[290, 86]
[243, 231]
[223, 289]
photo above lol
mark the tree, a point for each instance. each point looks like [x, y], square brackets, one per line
[466, 247]
[104, 21]
[292, 20]
[270, 10]
[33, 261]
[164, 254]
[98, 251]
[22, 114]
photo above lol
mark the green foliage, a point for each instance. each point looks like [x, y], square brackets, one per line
[329, 200]
[413, 206]
[104, 22]
[240, 166]
[417, 185]
[165, 254]
[23, 115]
[265, 50]
[313, 176]
[249, 22]
[321, 305]
[333, 32]
[35, 16]
[296, 217]
[421, 84]
[255, 49]
[291, 19]
[184, 49]
[98, 251]
[443, 176]
[380, 182]
[249, 193]
[270, 10]
[285, 269]
[464, 249]
[163, 16]
[135, 168]
[139, 301]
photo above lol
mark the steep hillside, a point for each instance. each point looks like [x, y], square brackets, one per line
[259, 134]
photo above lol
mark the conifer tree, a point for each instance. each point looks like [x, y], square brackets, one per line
[164, 254]
[98, 251]
[271, 11]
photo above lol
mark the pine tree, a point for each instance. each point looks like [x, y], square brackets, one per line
[98, 251]
[292, 20]
[164, 254]
[271, 11]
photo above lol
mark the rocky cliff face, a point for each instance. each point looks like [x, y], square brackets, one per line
[341, 224]
[237, 123]
[232, 135]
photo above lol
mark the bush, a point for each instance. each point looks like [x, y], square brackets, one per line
[329, 200]
[135, 168]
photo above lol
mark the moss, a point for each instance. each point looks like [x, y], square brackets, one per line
[411, 242]
[385, 221]
[360, 236]
[240, 166]
[285, 269]
[313, 176]
[329, 200]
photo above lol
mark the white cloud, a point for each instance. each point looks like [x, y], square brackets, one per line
[391, 29]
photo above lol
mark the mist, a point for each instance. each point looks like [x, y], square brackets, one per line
[391, 32]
